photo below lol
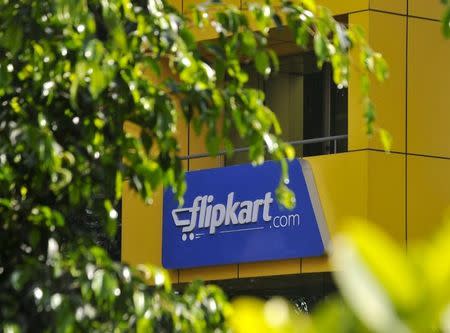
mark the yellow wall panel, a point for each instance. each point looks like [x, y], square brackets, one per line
[205, 163]
[428, 195]
[386, 195]
[178, 4]
[182, 132]
[337, 6]
[341, 181]
[428, 89]
[357, 137]
[142, 230]
[268, 268]
[197, 146]
[205, 33]
[394, 6]
[344, 6]
[426, 8]
[209, 273]
[187, 4]
[315, 265]
[390, 96]
[196, 142]
[245, 3]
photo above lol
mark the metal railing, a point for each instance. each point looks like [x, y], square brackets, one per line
[334, 139]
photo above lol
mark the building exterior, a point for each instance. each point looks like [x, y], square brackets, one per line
[405, 192]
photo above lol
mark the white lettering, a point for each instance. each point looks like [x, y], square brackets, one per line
[201, 221]
[294, 218]
[208, 212]
[217, 217]
[245, 214]
[195, 210]
[267, 201]
[256, 205]
[275, 220]
[285, 221]
[207, 215]
[230, 215]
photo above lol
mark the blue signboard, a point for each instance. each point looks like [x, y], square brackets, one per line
[231, 216]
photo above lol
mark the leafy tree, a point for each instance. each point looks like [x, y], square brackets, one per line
[73, 73]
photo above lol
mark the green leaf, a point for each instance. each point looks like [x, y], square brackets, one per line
[97, 282]
[446, 23]
[310, 4]
[94, 51]
[289, 151]
[285, 196]
[429, 255]
[302, 35]
[369, 114]
[188, 38]
[104, 285]
[262, 63]
[380, 67]
[19, 278]
[213, 142]
[274, 59]
[111, 227]
[11, 328]
[118, 184]
[144, 325]
[139, 302]
[98, 81]
[320, 49]
[386, 139]
[248, 42]
[12, 37]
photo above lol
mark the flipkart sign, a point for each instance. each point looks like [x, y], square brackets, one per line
[231, 216]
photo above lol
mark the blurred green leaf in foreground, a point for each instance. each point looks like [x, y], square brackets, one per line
[382, 289]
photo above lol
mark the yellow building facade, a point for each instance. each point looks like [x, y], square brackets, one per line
[405, 191]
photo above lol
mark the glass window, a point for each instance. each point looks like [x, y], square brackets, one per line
[308, 104]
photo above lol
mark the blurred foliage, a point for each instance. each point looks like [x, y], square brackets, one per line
[446, 19]
[73, 73]
[381, 289]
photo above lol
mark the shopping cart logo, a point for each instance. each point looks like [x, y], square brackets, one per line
[205, 217]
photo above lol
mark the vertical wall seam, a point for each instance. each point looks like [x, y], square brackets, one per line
[406, 125]
[367, 180]
[188, 145]
[188, 122]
